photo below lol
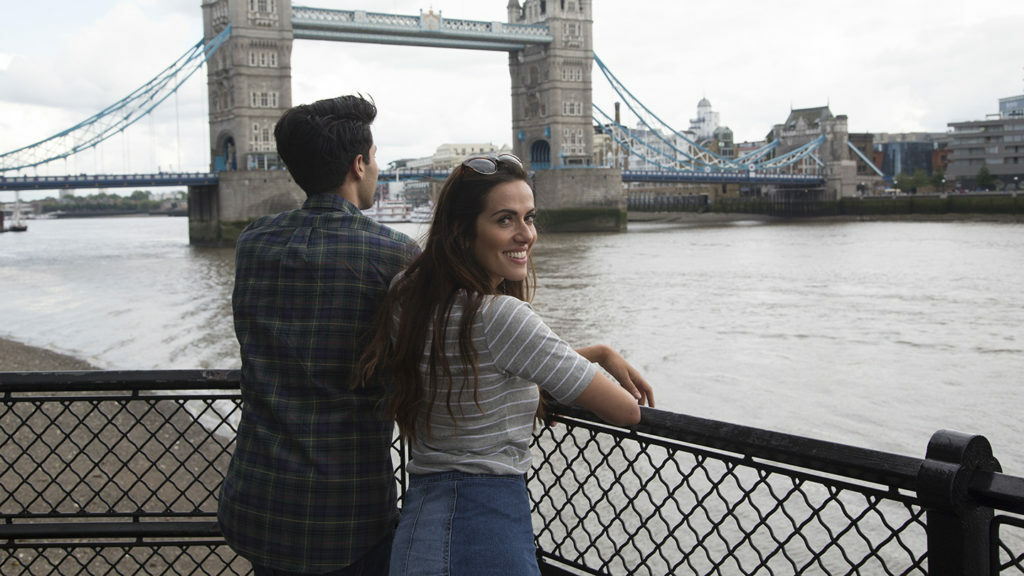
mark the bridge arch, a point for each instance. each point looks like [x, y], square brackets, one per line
[227, 159]
[540, 154]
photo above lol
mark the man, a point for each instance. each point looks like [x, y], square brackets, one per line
[310, 488]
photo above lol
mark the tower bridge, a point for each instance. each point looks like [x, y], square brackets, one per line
[247, 46]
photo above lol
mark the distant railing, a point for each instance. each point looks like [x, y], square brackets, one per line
[118, 472]
[107, 180]
[426, 29]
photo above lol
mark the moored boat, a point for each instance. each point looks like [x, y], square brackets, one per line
[389, 211]
[424, 214]
[18, 225]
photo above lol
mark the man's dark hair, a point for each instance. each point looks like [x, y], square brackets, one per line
[319, 141]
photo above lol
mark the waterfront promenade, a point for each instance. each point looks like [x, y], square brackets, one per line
[18, 357]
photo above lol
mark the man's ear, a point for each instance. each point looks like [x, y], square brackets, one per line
[358, 167]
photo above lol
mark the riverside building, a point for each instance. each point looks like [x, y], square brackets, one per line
[996, 143]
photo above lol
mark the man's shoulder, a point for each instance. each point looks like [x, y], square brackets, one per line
[385, 238]
[269, 221]
[387, 233]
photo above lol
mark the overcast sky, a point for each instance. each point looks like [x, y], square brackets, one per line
[890, 66]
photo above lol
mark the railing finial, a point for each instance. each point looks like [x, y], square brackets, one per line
[957, 527]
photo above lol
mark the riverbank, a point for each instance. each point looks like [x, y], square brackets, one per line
[719, 217]
[18, 357]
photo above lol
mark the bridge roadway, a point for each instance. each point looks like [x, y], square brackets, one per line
[427, 29]
[165, 179]
[159, 179]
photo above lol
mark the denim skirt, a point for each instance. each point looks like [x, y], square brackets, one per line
[455, 523]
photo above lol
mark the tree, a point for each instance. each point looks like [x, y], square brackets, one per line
[938, 181]
[986, 181]
[908, 183]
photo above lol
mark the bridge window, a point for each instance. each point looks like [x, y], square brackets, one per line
[221, 17]
[263, 58]
[572, 108]
[572, 73]
[265, 162]
[262, 5]
[263, 99]
[572, 34]
[572, 141]
[262, 138]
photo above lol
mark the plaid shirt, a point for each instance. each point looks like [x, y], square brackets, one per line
[310, 487]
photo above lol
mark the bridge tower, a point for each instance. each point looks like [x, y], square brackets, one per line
[806, 124]
[249, 86]
[552, 119]
[248, 80]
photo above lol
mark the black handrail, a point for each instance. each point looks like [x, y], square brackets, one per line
[957, 486]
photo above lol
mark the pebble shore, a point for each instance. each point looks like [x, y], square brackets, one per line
[17, 357]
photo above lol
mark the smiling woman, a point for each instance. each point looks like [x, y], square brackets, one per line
[505, 232]
[470, 359]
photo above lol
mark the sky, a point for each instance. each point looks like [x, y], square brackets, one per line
[890, 66]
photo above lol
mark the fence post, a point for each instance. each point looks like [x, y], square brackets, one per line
[957, 527]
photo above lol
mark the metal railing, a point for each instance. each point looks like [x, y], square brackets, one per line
[118, 472]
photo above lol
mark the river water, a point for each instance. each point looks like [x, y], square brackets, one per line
[874, 334]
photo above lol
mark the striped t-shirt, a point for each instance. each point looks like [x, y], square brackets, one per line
[516, 353]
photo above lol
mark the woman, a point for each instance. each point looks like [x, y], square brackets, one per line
[468, 355]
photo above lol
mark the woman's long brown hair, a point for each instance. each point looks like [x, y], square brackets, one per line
[424, 296]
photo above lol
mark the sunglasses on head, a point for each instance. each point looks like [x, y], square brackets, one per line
[486, 165]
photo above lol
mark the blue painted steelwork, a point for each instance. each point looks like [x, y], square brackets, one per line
[703, 158]
[620, 134]
[413, 174]
[724, 177]
[665, 175]
[864, 158]
[793, 156]
[428, 29]
[107, 181]
[116, 117]
[667, 163]
[423, 30]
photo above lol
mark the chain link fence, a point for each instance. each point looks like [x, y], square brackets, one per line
[118, 473]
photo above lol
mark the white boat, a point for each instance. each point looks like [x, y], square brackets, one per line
[389, 211]
[19, 225]
[424, 213]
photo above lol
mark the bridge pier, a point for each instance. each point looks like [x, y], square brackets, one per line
[580, 199]
[218, 214]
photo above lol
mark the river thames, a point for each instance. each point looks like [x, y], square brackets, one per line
[874, 334]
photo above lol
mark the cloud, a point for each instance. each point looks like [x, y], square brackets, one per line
[101, 62]
[889, 66]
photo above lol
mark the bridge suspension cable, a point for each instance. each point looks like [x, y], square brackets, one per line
[699, 157]
[620, 134]
[116, 117]
[695, 156]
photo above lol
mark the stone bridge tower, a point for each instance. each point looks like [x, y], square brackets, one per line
[551, 85]
[249, 85]
[249, 80]
[552, 119]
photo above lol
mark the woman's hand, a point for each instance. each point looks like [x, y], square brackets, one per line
[624, 373]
